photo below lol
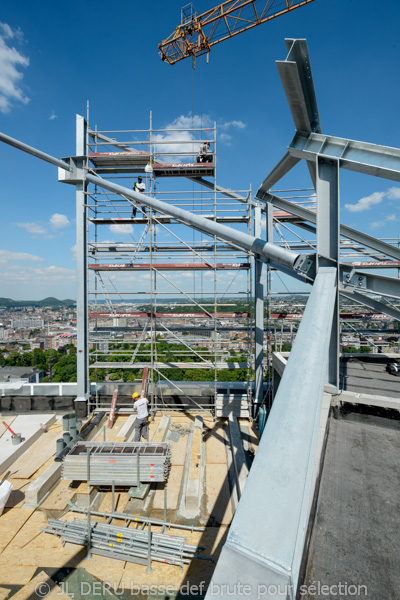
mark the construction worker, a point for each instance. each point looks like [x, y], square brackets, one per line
[140, 407]
[140, 188]
[203, 154]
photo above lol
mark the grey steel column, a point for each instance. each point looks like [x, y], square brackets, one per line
[328, 245]
[259, 314]
[280, 485]
[82, 324]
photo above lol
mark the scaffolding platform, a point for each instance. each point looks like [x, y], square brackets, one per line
[170, 267]
[161, 315]
[132, 162]
[171, 365]
[162, 219]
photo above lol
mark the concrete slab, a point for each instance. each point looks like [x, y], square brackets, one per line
[42, 485]
[43, 449]
[192, 486]
[31, 428]
[162, 429]
[127, 428]
[9, 421]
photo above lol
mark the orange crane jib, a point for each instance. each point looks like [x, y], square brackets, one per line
[195, 36]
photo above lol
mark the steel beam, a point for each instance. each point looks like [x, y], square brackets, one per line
[284, 166]
[297, 81]
[82, 321]
[362, 157]
[277, 256]
[347, 232]
[259, 314]
[280, 480]
[352, 280]
[38, 153]
[328, 246]
[371, 303]
[221, 190]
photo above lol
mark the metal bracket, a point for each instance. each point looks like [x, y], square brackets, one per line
[77, 173]
[305, 263]
[351, 277]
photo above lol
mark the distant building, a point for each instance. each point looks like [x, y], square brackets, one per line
[30, 374]
[27, 323]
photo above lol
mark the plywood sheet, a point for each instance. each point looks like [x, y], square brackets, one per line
[11, 522]
[39, 453]
[215, 445]
[57, 500]
[178, 451]
[41, 587]
[28, 532]
[219, 505]
[15, 574]
[173, 490]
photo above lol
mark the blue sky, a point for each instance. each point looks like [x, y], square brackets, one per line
[54, 58]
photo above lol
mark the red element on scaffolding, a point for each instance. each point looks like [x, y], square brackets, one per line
[111, 417]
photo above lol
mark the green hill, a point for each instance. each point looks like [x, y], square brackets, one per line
[9, 303]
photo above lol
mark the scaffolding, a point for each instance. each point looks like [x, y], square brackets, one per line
[170, 299]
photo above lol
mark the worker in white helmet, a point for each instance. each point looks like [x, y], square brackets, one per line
[141, 188]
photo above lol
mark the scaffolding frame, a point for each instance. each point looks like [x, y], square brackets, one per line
[140, 152]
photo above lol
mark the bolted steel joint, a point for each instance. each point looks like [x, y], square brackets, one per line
[77, 172]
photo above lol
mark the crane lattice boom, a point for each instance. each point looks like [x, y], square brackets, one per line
[198, 33]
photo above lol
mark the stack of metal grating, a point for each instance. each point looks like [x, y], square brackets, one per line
[124, 543]
[108, 463]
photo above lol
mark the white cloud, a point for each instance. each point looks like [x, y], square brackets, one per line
[10, 75]
[393, 193]
[39, 229]
[36, 277]
[34, 228]
[53, 116]
[366, 202]
[7, 255]
[58, 221]
[238, 124]
[383, 222]
[121, 229]
[179, 141]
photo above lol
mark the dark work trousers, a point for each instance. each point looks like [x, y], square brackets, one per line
[141, 429]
